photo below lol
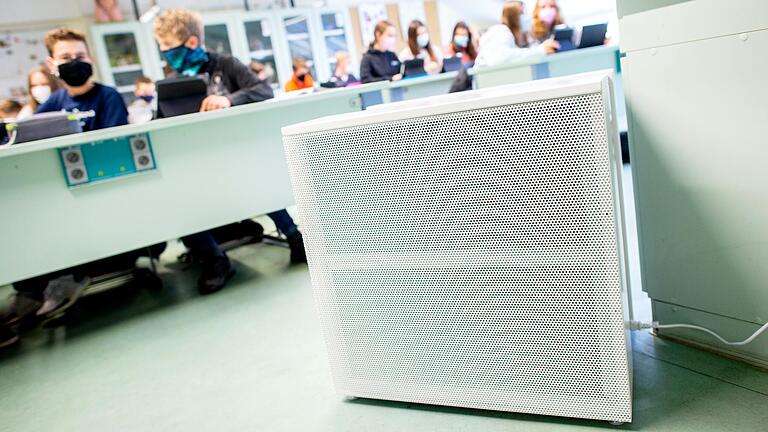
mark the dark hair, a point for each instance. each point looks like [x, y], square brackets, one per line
[471, 50]
[63, 34]
[413, 45]
[9, 107]
[380, 28]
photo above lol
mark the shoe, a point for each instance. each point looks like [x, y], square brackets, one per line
[296, 243]
[252, 229]
[216, 273]
[8, 337]
[19, 308]
[61, 293]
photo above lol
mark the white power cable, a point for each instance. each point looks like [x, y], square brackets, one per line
[637, 325]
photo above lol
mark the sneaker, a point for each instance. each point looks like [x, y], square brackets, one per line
[216, 273]
[8, 337]
[61, 293]
[296, 243]
[253, 229]
[19, 308]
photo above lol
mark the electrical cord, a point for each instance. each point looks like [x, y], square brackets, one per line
[638, 325]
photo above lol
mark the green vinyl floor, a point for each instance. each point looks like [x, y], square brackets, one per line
[251, 358]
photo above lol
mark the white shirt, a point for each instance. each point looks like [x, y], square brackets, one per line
[429, 65]
[498, 46]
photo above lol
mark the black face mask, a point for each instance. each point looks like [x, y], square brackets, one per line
[75, 73]
[301, 77]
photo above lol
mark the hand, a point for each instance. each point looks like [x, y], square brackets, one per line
[550, 46]
[214, 102]
[397, 77]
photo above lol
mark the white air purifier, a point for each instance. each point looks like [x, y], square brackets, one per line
[468, 249]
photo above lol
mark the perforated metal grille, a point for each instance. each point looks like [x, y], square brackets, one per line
[469, 259]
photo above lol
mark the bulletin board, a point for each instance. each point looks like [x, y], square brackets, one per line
[370, 15]
[20, 51]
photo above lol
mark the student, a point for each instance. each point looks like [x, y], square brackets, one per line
[70, 60]
[420, 46]
[41, 83]
[179, 34]
[505, 42]
[341, 75]
[301, 78]
[379, 63]
[143, 109]
[462, 44]
[9, 109]
[546, 15]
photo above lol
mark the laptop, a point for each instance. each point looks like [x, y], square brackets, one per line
[413, 68]
[452, 64]
[564, 36]
[593, 35]
[181, 95]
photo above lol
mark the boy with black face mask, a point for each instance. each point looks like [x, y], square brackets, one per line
[42, 295]
[179, 34]
[71, 61]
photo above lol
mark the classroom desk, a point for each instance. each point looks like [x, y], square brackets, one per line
[539, 67]
[425, 86]
[212, 169]
[561, 64]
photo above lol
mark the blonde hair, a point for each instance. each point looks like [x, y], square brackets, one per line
[63, 34]
[179, 24]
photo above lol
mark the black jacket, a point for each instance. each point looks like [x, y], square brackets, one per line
[230, 78]
[378, 66]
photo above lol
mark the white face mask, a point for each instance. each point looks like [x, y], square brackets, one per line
[41, 93]
[388, 43]
[423, 40]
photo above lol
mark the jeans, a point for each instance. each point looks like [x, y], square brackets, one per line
[203, 244]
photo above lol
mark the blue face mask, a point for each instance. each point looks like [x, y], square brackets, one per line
[461, 41]
[184, 60]
[147, 98]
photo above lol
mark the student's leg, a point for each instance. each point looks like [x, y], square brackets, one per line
[217, 269]
[285, 224]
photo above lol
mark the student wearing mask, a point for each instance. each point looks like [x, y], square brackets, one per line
[506, 42]
[462, 44]
[179, 34]
[420, 46]
[40, 84]
[142, 110]
[379, 63]
[546, 15]
[301, 78]
[71, 61]
[341, 75]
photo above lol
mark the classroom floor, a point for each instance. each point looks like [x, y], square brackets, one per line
[251, 358]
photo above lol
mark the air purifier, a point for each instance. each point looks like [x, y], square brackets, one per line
[468, 250]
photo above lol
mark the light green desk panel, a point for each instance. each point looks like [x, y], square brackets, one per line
[213, 168]
[508, 73]
[415, 88]
[583, 60]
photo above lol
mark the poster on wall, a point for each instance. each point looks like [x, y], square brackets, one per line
[20, 51]
[409, 11]
[370, 14]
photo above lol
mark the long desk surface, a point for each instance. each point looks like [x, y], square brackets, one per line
[212, 169]
[48, 226]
